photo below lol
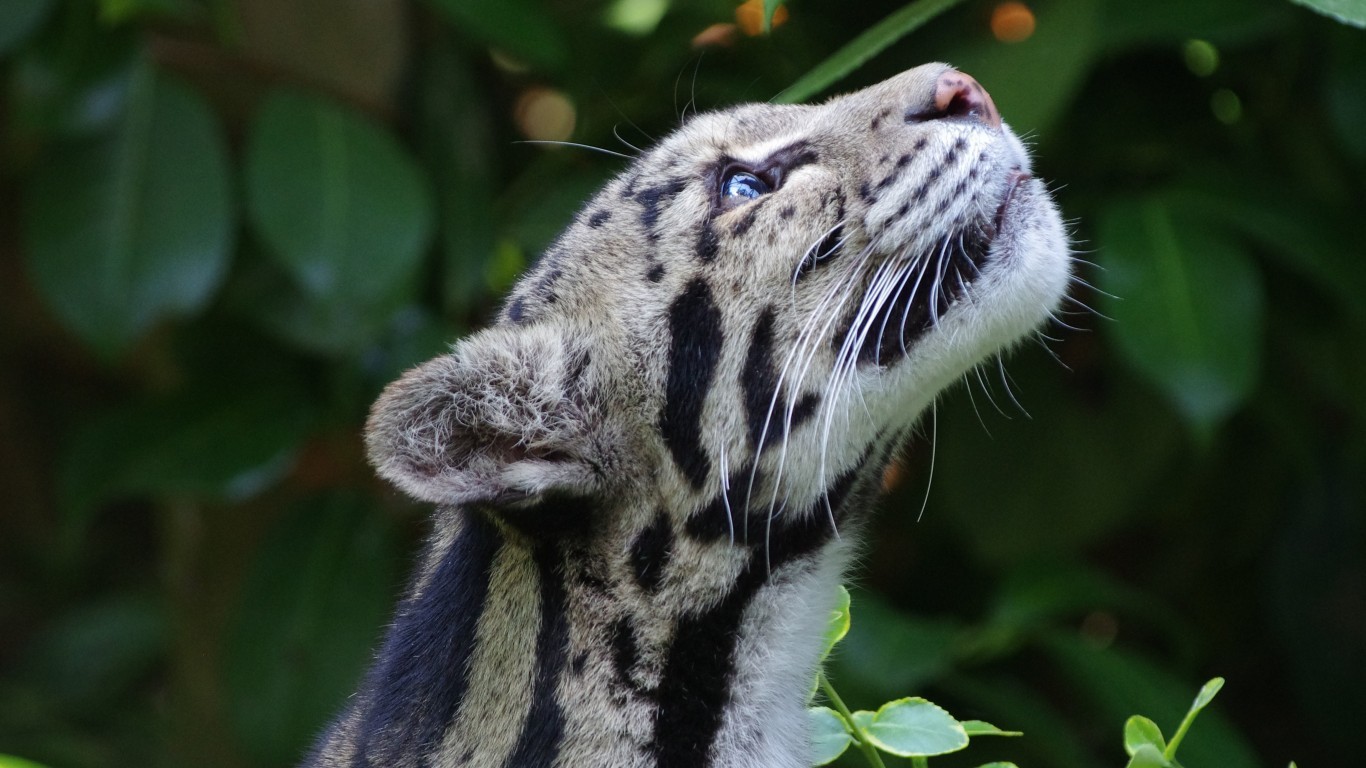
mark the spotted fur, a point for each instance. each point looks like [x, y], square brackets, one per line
[650, 470]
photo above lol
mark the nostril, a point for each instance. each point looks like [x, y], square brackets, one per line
[958, 96]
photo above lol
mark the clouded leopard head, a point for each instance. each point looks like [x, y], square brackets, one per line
[790, 285]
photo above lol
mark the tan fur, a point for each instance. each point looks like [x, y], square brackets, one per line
[665, 505]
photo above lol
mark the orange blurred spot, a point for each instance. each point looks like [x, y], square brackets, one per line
[1012, 22]
[750, 17]
[544, 114]
[722, 35]
[892, 475]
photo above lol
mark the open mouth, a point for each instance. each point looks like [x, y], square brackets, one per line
[904, 304]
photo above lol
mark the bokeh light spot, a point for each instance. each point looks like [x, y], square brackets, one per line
[750, 17]
[1227, 107]
[1202, 57]
[1012, 22]
[544, 114]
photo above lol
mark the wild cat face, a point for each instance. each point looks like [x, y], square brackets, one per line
[807, 277]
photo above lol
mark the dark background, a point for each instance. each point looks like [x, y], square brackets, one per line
[225, 224]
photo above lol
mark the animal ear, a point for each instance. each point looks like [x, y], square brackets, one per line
[510, 415]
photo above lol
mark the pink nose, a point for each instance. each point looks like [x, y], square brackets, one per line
[958, 95]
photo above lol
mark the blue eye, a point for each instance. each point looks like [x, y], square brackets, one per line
[743, 184]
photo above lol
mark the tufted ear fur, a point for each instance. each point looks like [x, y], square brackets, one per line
[510, 415]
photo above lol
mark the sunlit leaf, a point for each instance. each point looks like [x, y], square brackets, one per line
[1189, 310]
[1202, 700]
[983, 728]
[862, 48]
[1346, 11]
[1138, 731]
[829, 735]
[18, 20]
[914, 727]
[125, 231]
[998, 765]
[837, 626]
[337, 200]
[892, 653]
[312, 607]
[1147, 756]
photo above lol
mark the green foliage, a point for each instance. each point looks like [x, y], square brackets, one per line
[1144, 742]
[155, 211]
[916, 728]
[226, 225]
[907, 727]
[341, 209]
[1200, 347]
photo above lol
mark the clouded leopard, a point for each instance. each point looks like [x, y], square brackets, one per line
[650, 471]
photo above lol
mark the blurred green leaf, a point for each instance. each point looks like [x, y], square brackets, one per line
[1343, 96]
[914, 727]
[1189, 310]
[1126, 24]
[72, 80]
[829, 735]
[1140, 731]
[457, 142]
[1036, 593]
[311, 608]
[1052, 738]
[999, 520]
[338, 203]
[123, 232]
[91, 656]
[264, 295]
[998, 765]
[223, 442]
[519, 27]
[1119, 683]
[19, 19]
[853, 54]
[1346, 11]
[10, 761]
[121, 11]
[1295, 231]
